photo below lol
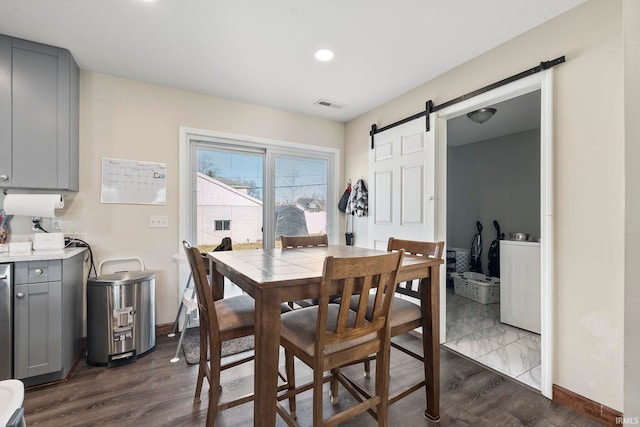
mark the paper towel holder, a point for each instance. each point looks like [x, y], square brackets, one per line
[63, 193]
[34, 204]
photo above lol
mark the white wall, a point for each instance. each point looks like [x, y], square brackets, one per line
[497, 179]
[589, 179]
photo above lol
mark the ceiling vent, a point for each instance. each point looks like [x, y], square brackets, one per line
[325, 103]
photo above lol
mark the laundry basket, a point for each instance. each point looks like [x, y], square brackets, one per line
[120, 315]
[477, 286]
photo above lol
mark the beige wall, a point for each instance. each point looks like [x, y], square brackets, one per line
[131, 120]
[589, 180]
[632, 220]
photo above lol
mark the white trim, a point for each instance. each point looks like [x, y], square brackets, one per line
[547, 232]
[542, 81]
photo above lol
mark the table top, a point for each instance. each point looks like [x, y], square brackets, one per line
[277, 267]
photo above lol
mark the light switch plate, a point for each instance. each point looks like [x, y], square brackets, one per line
[158, 221]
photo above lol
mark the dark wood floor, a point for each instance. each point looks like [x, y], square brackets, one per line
[154, 392]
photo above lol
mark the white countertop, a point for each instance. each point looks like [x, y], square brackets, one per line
[41, 255]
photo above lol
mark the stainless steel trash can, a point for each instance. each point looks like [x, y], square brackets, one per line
[120, 317]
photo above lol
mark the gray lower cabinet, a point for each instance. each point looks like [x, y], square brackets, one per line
[47, 318]
[39, 114]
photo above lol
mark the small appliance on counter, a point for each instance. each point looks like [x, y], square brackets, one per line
[48, 241]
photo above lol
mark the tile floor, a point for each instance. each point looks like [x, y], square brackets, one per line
[474, 330]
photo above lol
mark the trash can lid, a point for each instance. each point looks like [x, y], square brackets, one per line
[122, 278]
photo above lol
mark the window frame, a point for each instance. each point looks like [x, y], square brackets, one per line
[190, 137]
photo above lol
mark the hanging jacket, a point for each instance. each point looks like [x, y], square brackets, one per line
[358, 200]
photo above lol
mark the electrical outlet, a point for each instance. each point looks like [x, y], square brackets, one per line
[56, 224]
[158, 221]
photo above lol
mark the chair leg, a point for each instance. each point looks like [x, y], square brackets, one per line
[202, 363]
[199, 384]
[382, 386]
[318, 382]
[291, 381]
[334, 386]
[367, 368]
[214, 387]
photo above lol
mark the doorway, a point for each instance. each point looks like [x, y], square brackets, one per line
[493, 185]
[542, 81]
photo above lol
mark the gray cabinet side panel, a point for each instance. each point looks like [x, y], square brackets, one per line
[72, 302]
[5, 109]
[63, 118]
[35, 119]
[74, 125]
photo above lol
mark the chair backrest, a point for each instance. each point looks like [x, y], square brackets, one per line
[361, 277]
[304, 241]
[206, 306]
[417, 248]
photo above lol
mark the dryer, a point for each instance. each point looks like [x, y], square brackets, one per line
[520, 298]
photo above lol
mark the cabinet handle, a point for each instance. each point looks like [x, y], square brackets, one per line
[4, 177]
[37, 271]
[20, 295]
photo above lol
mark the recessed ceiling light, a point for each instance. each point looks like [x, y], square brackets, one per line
[324, 55]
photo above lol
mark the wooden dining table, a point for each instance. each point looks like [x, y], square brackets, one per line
[273, 276]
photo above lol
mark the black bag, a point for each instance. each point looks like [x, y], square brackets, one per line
[342, 204]
[348, 236]
[225, 245]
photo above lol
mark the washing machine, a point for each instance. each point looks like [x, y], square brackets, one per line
[520, 294]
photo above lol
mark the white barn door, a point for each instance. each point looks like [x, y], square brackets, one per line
[402, 184]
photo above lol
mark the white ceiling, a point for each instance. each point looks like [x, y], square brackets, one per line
[261, 52]
[512, 116]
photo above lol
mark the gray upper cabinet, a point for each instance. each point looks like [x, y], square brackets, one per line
[39, 113]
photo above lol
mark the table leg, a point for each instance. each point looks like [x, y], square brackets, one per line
[430, 302]
[217, 281]
[267, 337]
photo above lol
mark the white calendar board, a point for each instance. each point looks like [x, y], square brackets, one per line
[134, 182]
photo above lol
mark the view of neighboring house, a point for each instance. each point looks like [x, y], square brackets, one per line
[225, 209]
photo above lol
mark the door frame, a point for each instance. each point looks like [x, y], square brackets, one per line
[542, 81]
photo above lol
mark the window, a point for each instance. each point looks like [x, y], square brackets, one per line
[257, 184]
[224, 224]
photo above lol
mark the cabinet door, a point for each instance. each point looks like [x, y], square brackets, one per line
[5, 111]
[35, 115]
[38, 329]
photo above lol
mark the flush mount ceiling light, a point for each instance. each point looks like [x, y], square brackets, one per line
[324, 55]
[481, 115]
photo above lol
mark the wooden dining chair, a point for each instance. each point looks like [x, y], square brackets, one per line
[328, 336]
[295, 242]
[221, 320]
[288, 242]
[405, 315]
